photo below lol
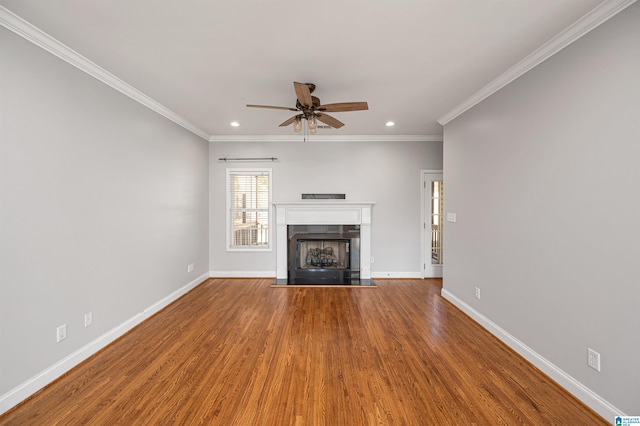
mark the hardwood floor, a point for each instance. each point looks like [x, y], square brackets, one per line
[238, 352]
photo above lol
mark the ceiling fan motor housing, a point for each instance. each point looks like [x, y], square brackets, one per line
[315, 103]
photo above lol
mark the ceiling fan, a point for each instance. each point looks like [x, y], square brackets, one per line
[310, 109]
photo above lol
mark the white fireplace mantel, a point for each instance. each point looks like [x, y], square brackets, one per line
[323, 212]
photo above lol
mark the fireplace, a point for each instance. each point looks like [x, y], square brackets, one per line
[323, 254]
[323, 242]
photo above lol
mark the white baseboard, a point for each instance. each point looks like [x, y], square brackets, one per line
[242, 274]
[272, 274]
[39, 381]
[392, 275]
[580, 391]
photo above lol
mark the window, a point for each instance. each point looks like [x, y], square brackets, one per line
[248, 207]
[436, 222]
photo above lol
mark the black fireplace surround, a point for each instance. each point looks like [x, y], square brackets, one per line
[323, 254]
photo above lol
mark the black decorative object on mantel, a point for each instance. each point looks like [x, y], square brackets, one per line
[323, 196]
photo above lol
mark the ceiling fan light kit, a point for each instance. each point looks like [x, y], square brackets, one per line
[297, 124]
[311, 109]
[313, 124]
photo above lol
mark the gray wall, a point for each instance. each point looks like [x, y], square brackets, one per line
[103, 206]
[544, 178]
[387, 173]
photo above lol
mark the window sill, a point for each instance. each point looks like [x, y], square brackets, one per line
[249, 249]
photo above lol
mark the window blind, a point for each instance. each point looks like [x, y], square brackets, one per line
[249, 201]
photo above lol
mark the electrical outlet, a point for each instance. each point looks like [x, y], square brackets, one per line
[372, 259]
[190, 267]
[61, 333]
[593, 359]
[478, 293]
[88, 319]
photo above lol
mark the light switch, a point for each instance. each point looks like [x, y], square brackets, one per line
[451, 217]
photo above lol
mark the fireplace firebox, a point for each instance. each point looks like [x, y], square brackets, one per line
[323, 254]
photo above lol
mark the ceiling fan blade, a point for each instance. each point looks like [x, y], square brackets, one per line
[272, 107]
[289, 121]
[327, 119]
[303, 94]
[344, 106]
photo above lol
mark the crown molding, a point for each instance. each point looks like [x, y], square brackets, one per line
[29, 32]
[325, 138]
[582, 26]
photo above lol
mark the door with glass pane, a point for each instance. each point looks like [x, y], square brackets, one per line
[433, 221]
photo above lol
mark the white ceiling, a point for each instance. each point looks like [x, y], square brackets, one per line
[413, 61]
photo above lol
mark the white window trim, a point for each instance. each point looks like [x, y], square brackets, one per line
[229, 228]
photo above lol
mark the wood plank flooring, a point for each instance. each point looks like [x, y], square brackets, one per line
[238, 352]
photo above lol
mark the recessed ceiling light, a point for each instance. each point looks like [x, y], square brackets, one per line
[390, 124]
[235, 124]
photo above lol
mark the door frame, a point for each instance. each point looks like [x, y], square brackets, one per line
[425, 255]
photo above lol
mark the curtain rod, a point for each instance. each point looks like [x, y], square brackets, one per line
[225, 159]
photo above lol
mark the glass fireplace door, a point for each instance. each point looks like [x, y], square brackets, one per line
[323, 254]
